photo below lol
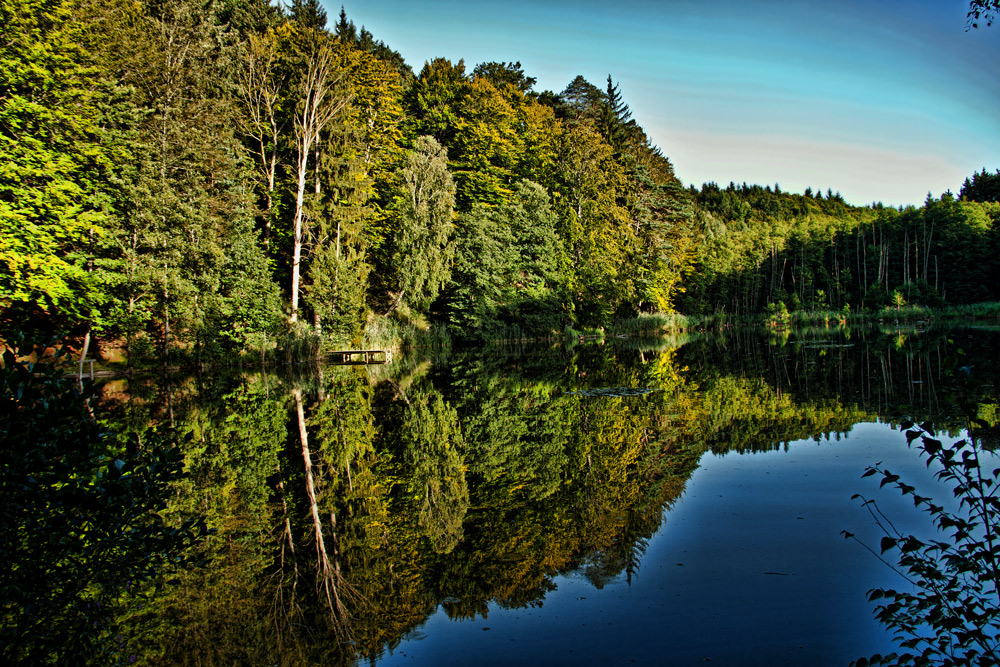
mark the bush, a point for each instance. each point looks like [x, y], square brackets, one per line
[951, 614]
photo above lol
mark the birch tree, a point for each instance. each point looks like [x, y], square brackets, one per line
[320, 99]
[263, 83]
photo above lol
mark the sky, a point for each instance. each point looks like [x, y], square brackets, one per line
[880, 100]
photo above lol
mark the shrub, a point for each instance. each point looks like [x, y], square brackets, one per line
[951, 614]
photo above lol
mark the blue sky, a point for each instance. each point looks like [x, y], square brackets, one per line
[882, 100]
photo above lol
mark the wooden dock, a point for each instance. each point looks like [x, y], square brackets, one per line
[359, 357]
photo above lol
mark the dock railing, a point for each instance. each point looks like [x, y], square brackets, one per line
[360, 356]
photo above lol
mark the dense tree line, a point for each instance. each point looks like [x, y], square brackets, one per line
[207, 174]
[763, 246]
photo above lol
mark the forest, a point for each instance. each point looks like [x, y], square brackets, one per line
[200, 179]
[204, 177]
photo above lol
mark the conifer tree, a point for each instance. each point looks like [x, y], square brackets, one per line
[982, 186]
[184, 215]
[583, 99]
[615, 118]
[309, 14]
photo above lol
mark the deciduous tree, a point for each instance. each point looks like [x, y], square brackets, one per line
[421, 243]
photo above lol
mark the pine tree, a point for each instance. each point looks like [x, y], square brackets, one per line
[615, 118]
[583, 99]
[982, 186]
[309, 14]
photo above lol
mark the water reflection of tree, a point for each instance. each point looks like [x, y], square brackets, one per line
[233, 431]
[330, 579]
[472, 485]
[433, 451]
[938, 374]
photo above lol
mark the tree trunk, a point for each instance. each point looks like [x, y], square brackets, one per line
[928, 239]
[166, 323]
[297, 234]
[286, 538]
[395, 303]
[318, 107]
[83, 355]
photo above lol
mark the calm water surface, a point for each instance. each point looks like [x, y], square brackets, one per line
[748, 568]
[655, 502]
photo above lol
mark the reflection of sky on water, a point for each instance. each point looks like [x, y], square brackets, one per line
[749, 568]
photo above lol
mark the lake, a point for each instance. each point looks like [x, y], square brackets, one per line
[625, 501]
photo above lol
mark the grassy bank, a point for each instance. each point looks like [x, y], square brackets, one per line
[657, 324]
[303, 343]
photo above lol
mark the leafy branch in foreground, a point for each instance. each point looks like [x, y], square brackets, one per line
[80, 528]
[951, 613]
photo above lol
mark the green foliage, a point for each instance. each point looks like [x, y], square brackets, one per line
[664, 250]
[516, 439]
[594, 229]
[778, 315]
[433, 451]
[654, 324]
[495, 132]
[237, 427]
[951, 615]
[472, 480]
[505, 74]
[972, 312]
[186, 260]
[249, 305]
[309, 14]
[507, 267]
[581, 100]
[390, 333]
[164, 178]
[763, 245]
[336, 292]
[53, 194]
[351, 181]
[615, 119]
[82, 538]
[482, 258]
[421, 243]
[982, 186]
